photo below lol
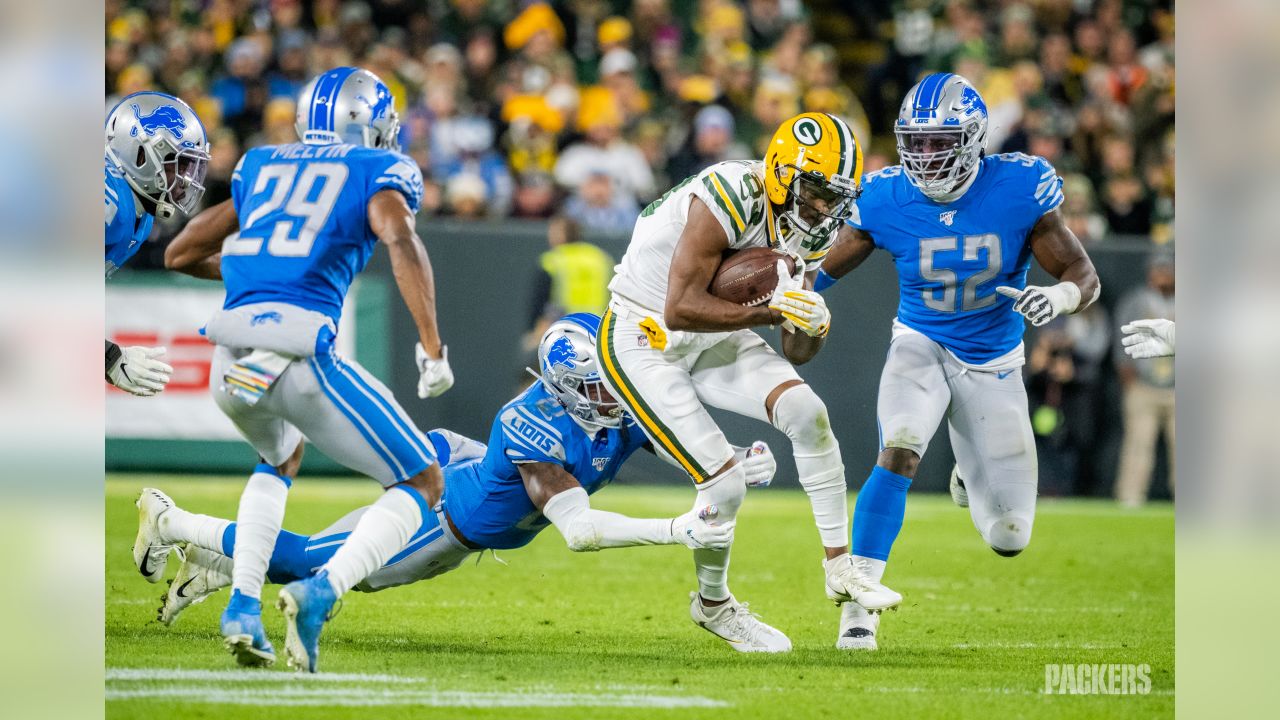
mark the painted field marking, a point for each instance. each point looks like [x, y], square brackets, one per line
[247, 687]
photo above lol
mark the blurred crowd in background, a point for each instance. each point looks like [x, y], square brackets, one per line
[595, 107]
[586, 110]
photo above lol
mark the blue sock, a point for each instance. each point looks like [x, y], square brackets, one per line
[294, 556]
[877, 516]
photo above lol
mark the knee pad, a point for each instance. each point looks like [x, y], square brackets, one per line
[802, 415]
[725, 492]
[907, 431]
[1009, 535]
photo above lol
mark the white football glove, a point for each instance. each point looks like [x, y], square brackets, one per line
[759, 463]
[695, 531]
[1039, 304]
[802, 309]
[1148, 338]
[140, 371]
[435, 376]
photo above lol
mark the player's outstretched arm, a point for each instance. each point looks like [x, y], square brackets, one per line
[394, 223]
[689, 305]
[564, 502]
[1060, 253]
[197, 250]
[851, 249]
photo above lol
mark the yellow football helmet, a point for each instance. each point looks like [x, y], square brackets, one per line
[813, 172]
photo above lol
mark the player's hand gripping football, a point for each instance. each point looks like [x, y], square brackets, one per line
[759, 463]
[1039, 304]
[804, 309]
[1148, 338]
[697, 530]
[140, 371]
[434, 376]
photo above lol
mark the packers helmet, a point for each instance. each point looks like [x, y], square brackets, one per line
[813, 171]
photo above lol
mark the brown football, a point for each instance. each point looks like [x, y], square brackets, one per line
[748, 277]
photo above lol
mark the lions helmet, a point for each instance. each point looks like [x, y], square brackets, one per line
[942, 133]
[160, 147]
[348, 105]
[570, 371]
[813, 171]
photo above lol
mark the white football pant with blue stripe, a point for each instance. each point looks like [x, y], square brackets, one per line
[340, 408]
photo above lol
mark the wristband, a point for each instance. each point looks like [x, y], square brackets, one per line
[823, 281]
[113, 357]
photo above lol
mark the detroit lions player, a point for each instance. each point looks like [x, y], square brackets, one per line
[961, 228]
[156, 157]
[556, 443]
[308, 216]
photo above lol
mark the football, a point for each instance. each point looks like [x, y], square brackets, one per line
[748, 277]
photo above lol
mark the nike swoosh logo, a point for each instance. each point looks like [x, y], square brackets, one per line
[146, 563]
[183, 586]
[1003, 375]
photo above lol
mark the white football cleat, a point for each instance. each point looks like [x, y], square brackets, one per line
[858, 628]
[150, 553]
[201, 574]
[959, 495]
[849, 580]
[736, 625]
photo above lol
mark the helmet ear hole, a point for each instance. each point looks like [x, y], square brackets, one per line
[142, 157]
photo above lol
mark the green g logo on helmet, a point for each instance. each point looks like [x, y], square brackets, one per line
[807, 131]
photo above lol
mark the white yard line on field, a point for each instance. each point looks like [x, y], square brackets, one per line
[244, 687]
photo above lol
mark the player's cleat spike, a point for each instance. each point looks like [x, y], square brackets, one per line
[200, 574]
[858, 628]
[849, 580]
[150, 553]
[738, 626]
[243, 634]
[306, 605]
[959, 494]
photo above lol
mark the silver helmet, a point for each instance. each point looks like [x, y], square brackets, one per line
[942, 133]
[569, 368]
[348, 105]
[160, 146]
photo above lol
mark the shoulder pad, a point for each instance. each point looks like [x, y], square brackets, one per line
[733, 189]
[1033, 175]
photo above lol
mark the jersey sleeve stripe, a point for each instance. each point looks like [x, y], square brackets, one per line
[721, 204]
[729, 199]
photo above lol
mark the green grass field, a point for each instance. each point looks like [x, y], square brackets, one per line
[546, 633]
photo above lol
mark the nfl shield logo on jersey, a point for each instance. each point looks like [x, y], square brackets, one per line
[599, 462]
[947, 217]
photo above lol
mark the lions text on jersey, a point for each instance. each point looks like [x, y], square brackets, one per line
[486, 498]
[127, 225]
[304, 232]
[950, 257]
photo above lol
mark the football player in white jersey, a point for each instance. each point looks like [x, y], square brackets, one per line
[669, 347]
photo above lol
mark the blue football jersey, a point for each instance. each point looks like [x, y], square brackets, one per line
[486, 498]
[126, 231]
[951, 257]
[304, 228]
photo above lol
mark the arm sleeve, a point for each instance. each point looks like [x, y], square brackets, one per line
[588, 530]
[400, 173]
[528, 436]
